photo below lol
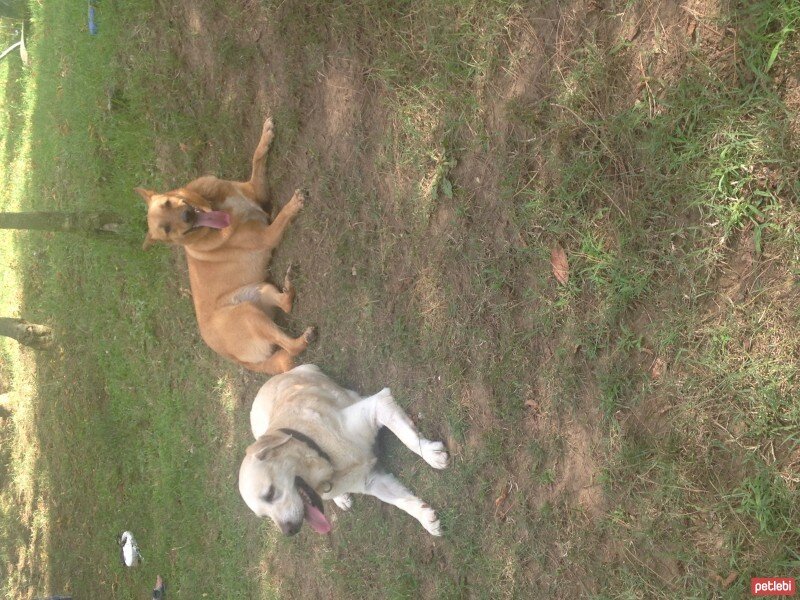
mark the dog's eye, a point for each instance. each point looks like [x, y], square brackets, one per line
[168, 204]
[270, 495]
[166, 228]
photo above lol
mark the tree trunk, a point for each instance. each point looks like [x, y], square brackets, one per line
[39, 337]
[98, 223]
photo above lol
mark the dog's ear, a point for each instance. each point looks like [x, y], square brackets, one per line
[148, 241]
[146, 195]
[269, 441]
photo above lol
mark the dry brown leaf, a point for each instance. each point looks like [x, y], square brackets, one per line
[500, 501]
[726, 583]
[501, 498]
[500, 514]
[658, 368]
[558, 258]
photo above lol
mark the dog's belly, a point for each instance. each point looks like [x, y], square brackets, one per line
[236, 279]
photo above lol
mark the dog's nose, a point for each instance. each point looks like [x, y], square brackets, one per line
[290, 528]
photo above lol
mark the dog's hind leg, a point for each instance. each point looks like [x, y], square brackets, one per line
[271, 296]
[245, 332]
[280, 362]
[387, 488]
[270, 332]
[383, 410]
[265, 295]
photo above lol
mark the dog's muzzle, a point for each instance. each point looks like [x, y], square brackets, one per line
[313, 512]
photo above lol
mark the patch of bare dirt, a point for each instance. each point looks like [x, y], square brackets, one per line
[578, 472]
[478, 401]
[649, 419]
[738, 273]
[340, 108]
[577, 468]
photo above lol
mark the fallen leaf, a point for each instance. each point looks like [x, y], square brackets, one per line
[724, 583]
[729, 580]
[558, 258]
[498, 504]
[502, 497]
[658, 368]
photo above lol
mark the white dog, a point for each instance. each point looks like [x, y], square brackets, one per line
[314, 441]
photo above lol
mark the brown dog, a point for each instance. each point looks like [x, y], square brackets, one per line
[229, 242]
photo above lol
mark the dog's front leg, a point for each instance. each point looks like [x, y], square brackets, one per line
[258, 180]
[386, 412]
[387, 488]
[273, 234]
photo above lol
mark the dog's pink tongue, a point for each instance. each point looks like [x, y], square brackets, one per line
[317, 520]
[215, 218]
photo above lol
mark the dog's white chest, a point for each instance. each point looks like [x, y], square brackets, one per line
[244, 209]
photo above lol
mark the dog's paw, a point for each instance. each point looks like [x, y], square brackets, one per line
[430, 521]
[435, 454]
[268, 131]
[311, 334]
[267, 135]
[345, 501]
[298, 201]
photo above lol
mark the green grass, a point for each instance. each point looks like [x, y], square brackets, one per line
[120, 442]
[633, 433]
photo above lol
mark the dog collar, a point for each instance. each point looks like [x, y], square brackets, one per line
[302, 437]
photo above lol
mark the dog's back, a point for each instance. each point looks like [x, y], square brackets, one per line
[303, 392]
